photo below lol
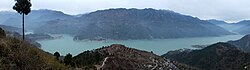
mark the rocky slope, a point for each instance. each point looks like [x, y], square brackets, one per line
[219, 56]
[119, 57]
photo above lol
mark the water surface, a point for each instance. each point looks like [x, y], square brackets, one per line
[158, 46]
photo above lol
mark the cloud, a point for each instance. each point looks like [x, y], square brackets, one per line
[228, 10]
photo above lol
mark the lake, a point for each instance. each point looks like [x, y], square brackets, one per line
[158, 46]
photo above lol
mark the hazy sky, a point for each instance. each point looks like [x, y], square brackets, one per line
[228, 10]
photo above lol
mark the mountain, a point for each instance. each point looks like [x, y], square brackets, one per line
[145, 24]
[69, 26]
[20, 55]
[223, 24]
[11, 29]
[241, 27]
[4, 15]
[219, 56]
[119, 57]
[35, 19]
[133, 24]
[244, 30]
[243, 43]
[245, 26]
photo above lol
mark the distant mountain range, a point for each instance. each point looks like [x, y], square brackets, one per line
[126, 24]
[34, 20]
[232, 55]
[241, 27]
[245, 29]
[11, 29]
[123, 24]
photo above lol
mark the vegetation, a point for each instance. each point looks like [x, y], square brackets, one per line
[124, 24]
[57, 55]
[20, 55]
[22, 7]
[243, 44]
[219, 56]
[68, 59]
[89, 58]
[119, 57]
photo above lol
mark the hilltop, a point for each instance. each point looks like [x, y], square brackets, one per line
[219, 56]
[120, 57]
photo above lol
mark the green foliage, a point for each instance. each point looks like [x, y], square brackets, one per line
[68, 59]
[22, 6]
[219, 56]
[89, 58]
[57, 55]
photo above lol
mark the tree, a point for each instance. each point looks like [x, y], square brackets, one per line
[57, 54]
[2, 33]
[68, 59]
[23, 8]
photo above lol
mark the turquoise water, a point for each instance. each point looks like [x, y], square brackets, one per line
[158, 46]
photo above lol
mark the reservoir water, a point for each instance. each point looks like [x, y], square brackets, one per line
[158, 46]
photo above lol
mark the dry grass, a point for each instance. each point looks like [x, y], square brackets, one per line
[19, 55]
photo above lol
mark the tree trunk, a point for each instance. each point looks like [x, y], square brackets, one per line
[23, 27]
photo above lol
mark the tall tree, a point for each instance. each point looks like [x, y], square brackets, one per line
[23, 8]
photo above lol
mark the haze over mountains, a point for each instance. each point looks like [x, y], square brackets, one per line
[241, 27]
[35, 19]
[123, 24]
[145, 24]
[120, 24]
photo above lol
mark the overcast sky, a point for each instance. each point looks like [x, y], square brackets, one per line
[228, 10]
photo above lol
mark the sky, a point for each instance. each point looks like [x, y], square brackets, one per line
[227, 10]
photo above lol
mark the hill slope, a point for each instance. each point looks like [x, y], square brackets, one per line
[243, 43]
[219, 56]
[20, 55]
[144, 24]
[119, 57]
